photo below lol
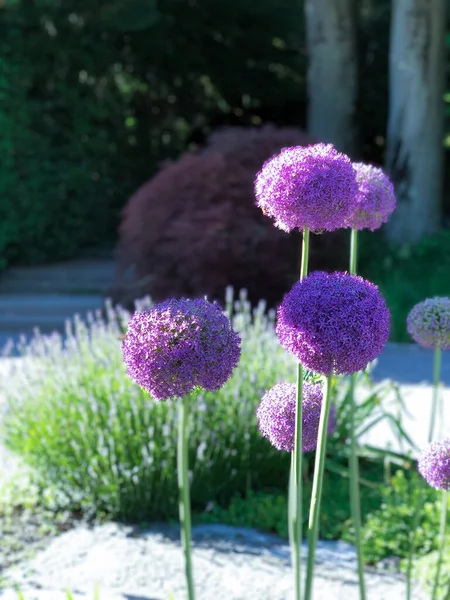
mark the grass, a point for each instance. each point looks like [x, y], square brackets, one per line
[406, 275]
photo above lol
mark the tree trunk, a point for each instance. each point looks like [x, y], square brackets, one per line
[332, 71]
[414, 153]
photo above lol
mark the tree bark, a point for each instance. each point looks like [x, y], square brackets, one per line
[414, 153]
[332, 71]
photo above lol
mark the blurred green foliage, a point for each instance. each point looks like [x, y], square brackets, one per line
[388, 531]
[267, 511]
[406, 275]
[94, 94]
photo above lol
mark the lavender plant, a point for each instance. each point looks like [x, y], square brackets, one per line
[311, 189]
[65, 393]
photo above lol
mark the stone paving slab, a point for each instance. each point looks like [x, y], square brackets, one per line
[82, 276]
[410, 364]
[415, 420]
[20, 314]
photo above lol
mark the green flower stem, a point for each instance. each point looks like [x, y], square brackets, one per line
[441, 544]
[296, 516]
[412, 545]
[316, 495]
[353, 251]
[434, 405]
[184, 499]
[355, 500]
[295, 483]
[420, 495]
[305, 254]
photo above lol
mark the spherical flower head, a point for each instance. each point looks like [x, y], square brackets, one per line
[307, 186]
[333, 322]
[375, 201]
[428, 323]
[434, 465]
[179, 345]
[276, 415]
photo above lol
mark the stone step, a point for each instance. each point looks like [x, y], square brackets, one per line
[71, 277]
[18, 305]
[21, 314]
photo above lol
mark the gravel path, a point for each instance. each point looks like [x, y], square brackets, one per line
[229, 564]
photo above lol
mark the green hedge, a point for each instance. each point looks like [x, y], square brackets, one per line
[94, 95]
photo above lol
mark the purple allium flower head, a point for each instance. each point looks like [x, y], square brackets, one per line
[333, 322]
[178, 345]
[434, 464]
[375, 200]
[428, 323]
[276, 415]
[307, 186]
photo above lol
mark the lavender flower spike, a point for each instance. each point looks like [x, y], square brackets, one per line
[178, 345]
[333, 322]
[276, 415]
[375, 201]
[307, 186]
[434, 464]
[428, 323]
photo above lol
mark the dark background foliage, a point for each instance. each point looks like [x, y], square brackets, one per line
[94, 94]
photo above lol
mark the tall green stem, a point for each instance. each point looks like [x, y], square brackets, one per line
[295, 483]
[316, 495]
[305, 254]
[420, 495]
[441, 544]
[355, 500]
[353, 251]
[434, 408]
[184, 498]
[434, 405]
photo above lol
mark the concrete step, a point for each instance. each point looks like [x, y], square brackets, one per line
[410, 364]
[18, 305]
[21, 314]
[71, 277]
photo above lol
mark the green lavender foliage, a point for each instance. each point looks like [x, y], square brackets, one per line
[105, 447]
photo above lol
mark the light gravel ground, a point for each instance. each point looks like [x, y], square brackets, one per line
[229, 564]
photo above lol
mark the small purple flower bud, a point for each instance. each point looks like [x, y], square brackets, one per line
[434, 464]
[276, 415]
[428, 323]
[375, 201]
